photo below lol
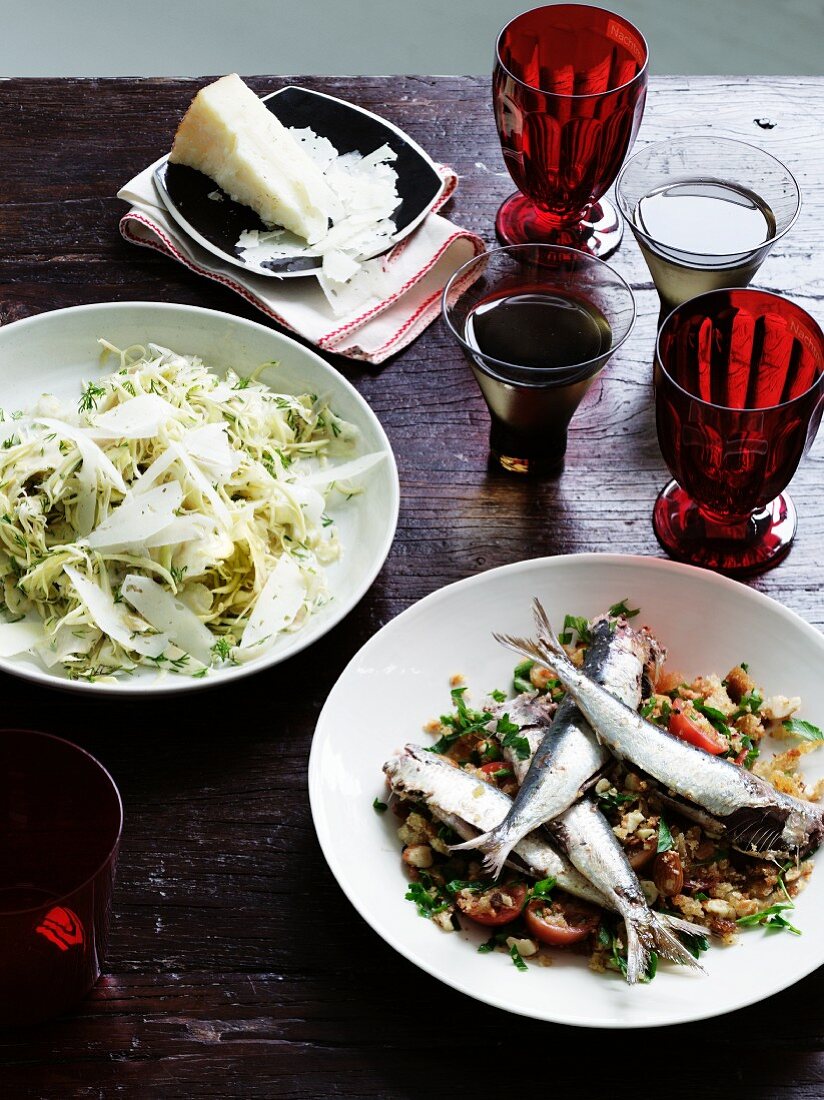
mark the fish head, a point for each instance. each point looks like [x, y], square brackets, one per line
[804, 828]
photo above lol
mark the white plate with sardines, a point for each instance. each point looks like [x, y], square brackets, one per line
[185, 497]
[584, 789]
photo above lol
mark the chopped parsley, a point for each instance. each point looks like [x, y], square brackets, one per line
[664, 837]
[610, 941]
[804, 731]
[497, 939]
[428, 902]
[517, 958]
[475, 886]
[489, 751]
[620, 609]
[610, 801]
[752, 751]
[750, 704]
[498, 695]
[521, 682]
[663, 717]
[575, 624]
[510, 735]
[462, 722]
[714, 716]
[771, 917]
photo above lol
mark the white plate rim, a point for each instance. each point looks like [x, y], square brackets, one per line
[348, 885]
[178, 684]
[396, 238]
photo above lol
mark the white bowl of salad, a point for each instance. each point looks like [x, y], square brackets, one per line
[185, 497]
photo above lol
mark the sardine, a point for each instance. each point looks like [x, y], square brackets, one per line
[464, 802]
[569, 754]
[585, 836]
[450, 790]
[757, 817]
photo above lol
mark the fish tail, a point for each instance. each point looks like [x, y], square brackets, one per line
[547, 649]
[650, 933]
[639, 946]
[545, 632]
[667, 944]
[495, 847]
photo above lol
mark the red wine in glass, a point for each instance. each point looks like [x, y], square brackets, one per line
[539, 331]
[60, 822]
[569, 88]
[739, 393]
[538, 324]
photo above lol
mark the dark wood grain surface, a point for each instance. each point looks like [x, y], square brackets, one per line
[236, 965]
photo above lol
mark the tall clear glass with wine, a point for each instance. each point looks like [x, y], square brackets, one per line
[705, 211]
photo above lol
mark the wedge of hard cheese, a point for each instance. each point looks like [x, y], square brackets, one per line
[230, 136]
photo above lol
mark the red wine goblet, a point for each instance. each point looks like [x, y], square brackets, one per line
[739, 393]
[569, 88]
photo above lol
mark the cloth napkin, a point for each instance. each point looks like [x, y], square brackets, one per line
[409, 288]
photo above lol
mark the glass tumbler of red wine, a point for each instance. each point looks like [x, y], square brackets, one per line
[569, 87]
[538, 324]
[60, 823]
[739, 392]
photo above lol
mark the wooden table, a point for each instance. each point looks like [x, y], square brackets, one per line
[236, 965]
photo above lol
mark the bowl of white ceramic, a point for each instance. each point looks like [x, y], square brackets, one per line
[400, 680]
[58, 353]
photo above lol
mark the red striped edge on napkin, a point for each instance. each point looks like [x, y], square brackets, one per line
[414, 275]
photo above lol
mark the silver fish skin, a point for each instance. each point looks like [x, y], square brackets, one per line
[586, 837]
[464, 802]
[569, 754]
[758, 818]
[450, 790]
[533, 715]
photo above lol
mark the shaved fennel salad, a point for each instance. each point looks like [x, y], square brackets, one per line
[172, 518]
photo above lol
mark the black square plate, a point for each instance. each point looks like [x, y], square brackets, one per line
[217, 226]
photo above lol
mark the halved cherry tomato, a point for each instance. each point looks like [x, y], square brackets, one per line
[497, 905]
[684, 727]
[560, 923]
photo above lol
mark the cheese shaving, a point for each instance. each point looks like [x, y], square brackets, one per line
[364, 190]
[175, 519]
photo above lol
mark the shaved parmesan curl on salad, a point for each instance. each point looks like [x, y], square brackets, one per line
[172, 519]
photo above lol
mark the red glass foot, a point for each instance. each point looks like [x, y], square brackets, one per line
[748, 546]
[519, 221]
